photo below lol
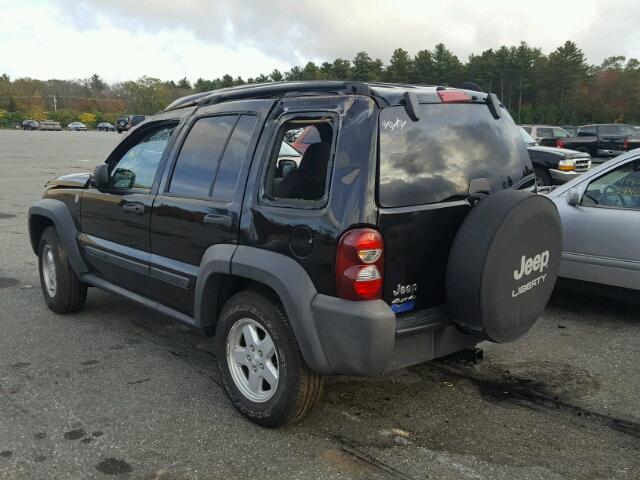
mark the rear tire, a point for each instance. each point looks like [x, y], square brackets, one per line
[62, 290]
[240, 359]
[542, 178]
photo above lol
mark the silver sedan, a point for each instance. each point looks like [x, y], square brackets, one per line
[600, 212]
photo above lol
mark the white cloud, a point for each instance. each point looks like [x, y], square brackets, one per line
[123, 39]
[46, 46]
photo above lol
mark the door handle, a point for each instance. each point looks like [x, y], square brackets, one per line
[136, 208]
[219, 220]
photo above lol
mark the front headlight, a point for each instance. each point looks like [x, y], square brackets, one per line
[567, 165]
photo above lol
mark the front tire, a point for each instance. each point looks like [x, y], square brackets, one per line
[62, 290]
[260, 363]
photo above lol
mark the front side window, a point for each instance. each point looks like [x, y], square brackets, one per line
[619, 188]
[137, 167]
[199, 156]
[301, 174]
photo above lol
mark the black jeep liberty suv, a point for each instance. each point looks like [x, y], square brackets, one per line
[410, 230]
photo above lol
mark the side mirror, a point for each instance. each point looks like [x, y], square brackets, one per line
[285, 167]
[101, 175]
[573, 196]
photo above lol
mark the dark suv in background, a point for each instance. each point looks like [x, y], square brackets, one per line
[407, 231]
[125, 122]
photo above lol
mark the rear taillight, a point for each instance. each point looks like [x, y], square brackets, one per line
[559, 143]
[359, 265]
[625, 144]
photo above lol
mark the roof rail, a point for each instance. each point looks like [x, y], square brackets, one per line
[268, 90]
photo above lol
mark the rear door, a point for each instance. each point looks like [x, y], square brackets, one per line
[200, 196]
[426, 169]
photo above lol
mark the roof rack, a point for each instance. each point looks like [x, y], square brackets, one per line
[269, 90]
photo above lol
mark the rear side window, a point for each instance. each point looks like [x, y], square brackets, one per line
[587, 131]
[234, 157]
[434, 159]
[544, 132]
[199, 156]
[299, 177]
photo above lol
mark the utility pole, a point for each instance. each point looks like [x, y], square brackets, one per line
[520, 100]
[55, 104]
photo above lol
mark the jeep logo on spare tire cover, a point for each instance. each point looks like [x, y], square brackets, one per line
[503, 264]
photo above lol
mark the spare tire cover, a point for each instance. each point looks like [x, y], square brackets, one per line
[503, 264]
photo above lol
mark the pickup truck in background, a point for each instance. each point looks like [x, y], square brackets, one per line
[612, 139]
[552, 165]
[599, 140]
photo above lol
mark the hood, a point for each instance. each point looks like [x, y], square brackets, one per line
[564, 152]
[73, 180]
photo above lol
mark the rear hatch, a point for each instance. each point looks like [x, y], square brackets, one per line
[424, 175]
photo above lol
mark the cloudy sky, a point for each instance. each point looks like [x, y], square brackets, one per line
[169, 39]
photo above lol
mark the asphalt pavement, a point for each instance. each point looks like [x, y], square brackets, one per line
[116, 391]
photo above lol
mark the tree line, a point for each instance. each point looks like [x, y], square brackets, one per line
[558, 88]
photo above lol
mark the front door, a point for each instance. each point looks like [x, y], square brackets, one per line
[115, 220]
[199, 199]
[600, 235]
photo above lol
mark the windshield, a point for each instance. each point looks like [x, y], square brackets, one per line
[287, 150]
[434, 159]
[528, 139]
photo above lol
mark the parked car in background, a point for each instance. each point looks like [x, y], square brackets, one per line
[30, 125]
[538, 132]
[125, 122]
[305, 138]
[105, 127]
[50, 125]
[555, 166]
[611, 138]
[600, 214]
[571, 130]
[77, 127]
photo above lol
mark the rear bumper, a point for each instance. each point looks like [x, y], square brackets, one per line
[366, 338]
[558, 176]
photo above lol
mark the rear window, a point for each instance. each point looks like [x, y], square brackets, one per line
[434, 159]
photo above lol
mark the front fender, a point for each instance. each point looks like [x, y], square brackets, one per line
[58, 213]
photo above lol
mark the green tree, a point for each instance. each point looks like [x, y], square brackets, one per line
[400, 67]
[96, 84]
[365, 69]
[184, 84]
[447, 68]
